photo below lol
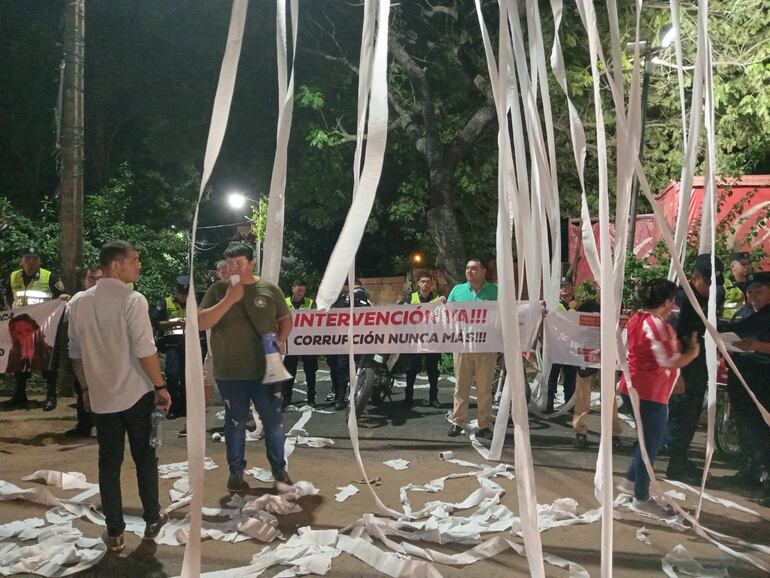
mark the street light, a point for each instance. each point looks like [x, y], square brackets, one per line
[237, 201]
[667, 36]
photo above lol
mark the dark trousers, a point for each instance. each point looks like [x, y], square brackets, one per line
[309, 366]
[684, 414]
[85, 423]
[753, 432]
[175, 380]
[111, 430]
[654, 417]
[339, 369]
[414, 365]
[50, 377]
[570, 377]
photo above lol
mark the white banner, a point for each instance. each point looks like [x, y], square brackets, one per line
[574, 337]
[28, 335]
[427, 328]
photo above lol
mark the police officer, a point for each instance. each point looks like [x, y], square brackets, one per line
[413, 362]
[299, 300]
[32, 285]
[168, 321]
[736, 283]
[566, 303]
[754, 365]
[88, 278]
[339, 366]
[685, 408]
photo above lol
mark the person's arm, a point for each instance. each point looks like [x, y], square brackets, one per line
[753, 346]
[57, 288]
[80, 374]
[684, 359]
[142, 346]
[209, 317]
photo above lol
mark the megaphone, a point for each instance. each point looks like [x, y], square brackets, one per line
[275, 372]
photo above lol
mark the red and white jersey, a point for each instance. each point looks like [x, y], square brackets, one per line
[652, 345]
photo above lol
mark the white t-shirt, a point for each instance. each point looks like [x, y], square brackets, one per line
[110, 329]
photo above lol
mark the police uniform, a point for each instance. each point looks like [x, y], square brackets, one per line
[413, 362]
[25, 290]
[339, 365]
[569, 372]
[685, 408]
[171, 341]
[753, 432]
[309, 362]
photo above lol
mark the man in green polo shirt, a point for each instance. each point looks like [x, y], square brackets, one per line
[473, 367]
[240, 312]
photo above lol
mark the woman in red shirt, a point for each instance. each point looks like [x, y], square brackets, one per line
[654, 358]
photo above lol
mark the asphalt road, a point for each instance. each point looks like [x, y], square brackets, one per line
[32, 439]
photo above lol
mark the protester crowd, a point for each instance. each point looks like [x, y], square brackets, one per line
[114, 339]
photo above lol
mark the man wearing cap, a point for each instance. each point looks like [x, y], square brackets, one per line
[31, 285]
[685, 408]
[736, 283]
[754, 365]
[299, 300]
[168, 322]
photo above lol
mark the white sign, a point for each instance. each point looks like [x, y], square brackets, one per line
[574, 337]
[27, 336]
[466, 327]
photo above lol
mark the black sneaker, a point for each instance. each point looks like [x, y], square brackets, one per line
[282, 481]
[340, 405]
[434, 403]
[182, 433]
[408, 402]
[50, 404]
[77, 433]
[485, 433]
[581, 441]
[151, 530]
[236, 484]
[617, 443]
[455, 431]
[114, 543]
[684, 472]
[330, 396]
[15, 402]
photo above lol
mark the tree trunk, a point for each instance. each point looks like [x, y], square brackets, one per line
[71, 241]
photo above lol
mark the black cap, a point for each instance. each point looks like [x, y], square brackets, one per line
[183, 282]
[31, 252]
[760, 277]
[566, 281]
[739, 255]
[703, 266]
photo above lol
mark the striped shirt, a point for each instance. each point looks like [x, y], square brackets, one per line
[652, 347]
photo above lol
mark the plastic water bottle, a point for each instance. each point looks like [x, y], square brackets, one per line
[156, 435]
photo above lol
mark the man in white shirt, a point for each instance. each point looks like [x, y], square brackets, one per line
[114, 358]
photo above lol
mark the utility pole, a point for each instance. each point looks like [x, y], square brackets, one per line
[72, 137]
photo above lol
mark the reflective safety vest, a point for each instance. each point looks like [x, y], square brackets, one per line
[307, 303]
[174, 309]
[734, 299]
[38, 290]
[416, 298]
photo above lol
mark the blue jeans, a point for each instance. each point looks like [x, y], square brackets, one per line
[654, 418]
[237, 395]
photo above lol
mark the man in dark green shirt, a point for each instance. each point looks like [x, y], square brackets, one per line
[241, 312]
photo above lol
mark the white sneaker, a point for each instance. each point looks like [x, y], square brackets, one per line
[625, 487]
[652, 508]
